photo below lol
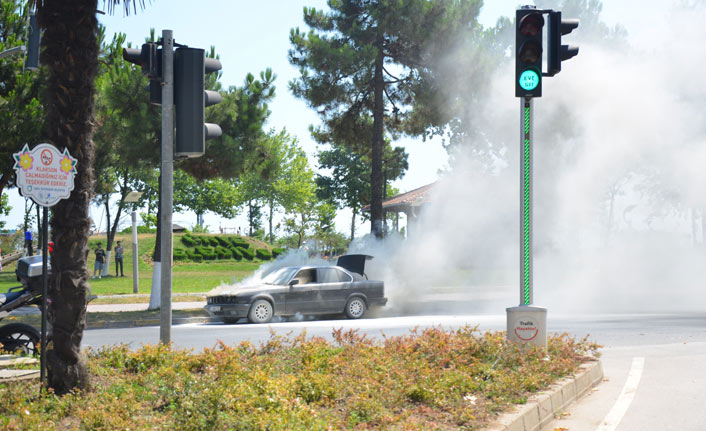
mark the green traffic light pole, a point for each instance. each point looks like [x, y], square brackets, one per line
[526, 323]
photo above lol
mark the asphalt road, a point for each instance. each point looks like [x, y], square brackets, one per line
[655, 365]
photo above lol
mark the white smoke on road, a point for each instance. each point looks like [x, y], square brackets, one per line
[619, 188]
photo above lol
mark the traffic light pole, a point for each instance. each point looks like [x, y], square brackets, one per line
[526, 323]
[165, 320]
[526, 141]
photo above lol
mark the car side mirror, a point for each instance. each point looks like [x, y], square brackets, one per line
[294, 282]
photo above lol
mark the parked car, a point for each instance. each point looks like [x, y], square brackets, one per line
[308, 290]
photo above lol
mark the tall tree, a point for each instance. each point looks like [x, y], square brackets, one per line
[70, 53]
[367, 59]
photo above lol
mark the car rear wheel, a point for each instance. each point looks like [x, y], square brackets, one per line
[261, 311]
[355, 308]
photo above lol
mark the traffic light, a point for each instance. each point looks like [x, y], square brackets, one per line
[149, 57]
[528, 59]
[556, 51]
[32, 60]
[190, 98]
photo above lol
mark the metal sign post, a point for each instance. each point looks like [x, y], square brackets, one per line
[46, 175]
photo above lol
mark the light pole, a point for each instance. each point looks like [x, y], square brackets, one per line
[133, 197]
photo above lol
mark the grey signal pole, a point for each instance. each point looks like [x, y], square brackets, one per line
[165, 316]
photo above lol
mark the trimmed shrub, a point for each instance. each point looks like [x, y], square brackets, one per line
[239, 242]
[189, 241]
[208, 253]
[194, 255]
[223, 241]
[180, 254]
[263, 254]
[277, 251]
[223, 253]
[247, 253]
[237, 255]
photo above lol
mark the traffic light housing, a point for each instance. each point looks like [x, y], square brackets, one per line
[556, 52]
[149, 57]
[33, 42]
[528, 59]
[191, 98]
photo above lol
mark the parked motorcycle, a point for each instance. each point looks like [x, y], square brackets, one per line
[20, 337]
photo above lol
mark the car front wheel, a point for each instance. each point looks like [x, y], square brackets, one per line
[260, 312]
[355, 308]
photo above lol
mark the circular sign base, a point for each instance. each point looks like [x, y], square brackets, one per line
[527, 324]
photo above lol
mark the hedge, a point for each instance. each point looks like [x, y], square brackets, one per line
[180, 254]
[247, 253]
[239, 242]
[190, 241]
[237, 255]
[208, 253]
[263, 254]
[193, 255]
[224, 253]
[277, 251]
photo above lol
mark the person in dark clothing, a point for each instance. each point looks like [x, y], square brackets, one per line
[119, 250]
[100, 261]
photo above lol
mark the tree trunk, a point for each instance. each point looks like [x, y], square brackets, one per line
[376, 167]
[270, 221]
[355, 214]
[71, 55]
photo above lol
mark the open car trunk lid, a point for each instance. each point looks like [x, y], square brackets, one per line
[354, 263]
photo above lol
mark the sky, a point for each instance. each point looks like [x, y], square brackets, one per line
[251, 36]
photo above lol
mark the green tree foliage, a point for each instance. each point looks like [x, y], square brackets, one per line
[21, 113]
[200, 196]
[127, 134]
[281, 177]
[371, 60]
[347, 181]
[241, 115]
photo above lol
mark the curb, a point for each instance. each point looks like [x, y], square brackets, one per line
[540, 409]
[119, 324]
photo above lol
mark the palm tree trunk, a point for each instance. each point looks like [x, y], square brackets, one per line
[71, 55]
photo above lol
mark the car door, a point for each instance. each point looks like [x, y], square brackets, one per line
[333, 287]
[301, 296]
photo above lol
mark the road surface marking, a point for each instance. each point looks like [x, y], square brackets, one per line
[615, 415]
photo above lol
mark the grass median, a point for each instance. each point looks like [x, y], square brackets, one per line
[187, 277]
[427, 380]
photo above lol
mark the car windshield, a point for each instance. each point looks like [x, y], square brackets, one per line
[280, 276]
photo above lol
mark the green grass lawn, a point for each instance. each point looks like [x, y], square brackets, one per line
[186, 277]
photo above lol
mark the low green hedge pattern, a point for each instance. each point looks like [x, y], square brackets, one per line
[204, 247]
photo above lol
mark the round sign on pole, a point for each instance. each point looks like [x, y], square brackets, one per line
[45, 174]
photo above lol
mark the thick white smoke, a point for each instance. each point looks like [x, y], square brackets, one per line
[619, 190]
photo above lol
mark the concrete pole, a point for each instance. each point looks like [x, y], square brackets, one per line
[135, 282]
[165, 320]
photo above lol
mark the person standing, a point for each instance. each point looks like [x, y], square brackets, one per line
[119, 259]
[100, 261]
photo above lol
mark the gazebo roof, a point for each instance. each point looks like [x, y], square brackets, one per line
[405, 201]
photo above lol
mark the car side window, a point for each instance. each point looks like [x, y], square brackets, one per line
[328, 275]
[306, 276]
[343, 277]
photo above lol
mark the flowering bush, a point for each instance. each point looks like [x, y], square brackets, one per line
[429, 379]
